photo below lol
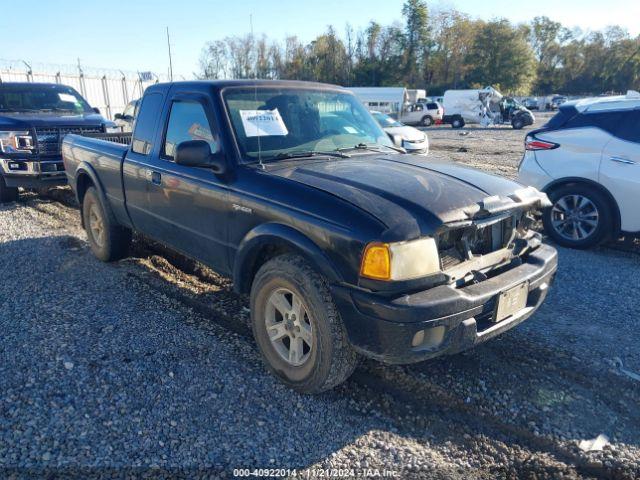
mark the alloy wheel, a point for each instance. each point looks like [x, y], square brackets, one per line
[574, 217]
[96, 225]
[289, 326]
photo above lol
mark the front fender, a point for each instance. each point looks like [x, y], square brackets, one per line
[279, 236]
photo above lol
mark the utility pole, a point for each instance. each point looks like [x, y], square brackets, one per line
[170, 64]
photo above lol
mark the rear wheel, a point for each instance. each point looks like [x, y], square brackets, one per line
[580, 217]
[297, 326]
[457, 122]
[108, 241]
[426, 121]
[7, 194]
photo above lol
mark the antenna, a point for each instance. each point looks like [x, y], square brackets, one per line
[170, 64]
[255, 93]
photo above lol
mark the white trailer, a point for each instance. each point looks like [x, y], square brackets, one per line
[389, 100]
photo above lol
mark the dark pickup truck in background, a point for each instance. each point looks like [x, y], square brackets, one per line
[345, 244]
[34, 117]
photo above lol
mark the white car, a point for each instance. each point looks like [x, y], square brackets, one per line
[413, 140]
[587, 159]
[422, 113]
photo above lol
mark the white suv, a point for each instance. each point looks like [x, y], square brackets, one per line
[587, 159]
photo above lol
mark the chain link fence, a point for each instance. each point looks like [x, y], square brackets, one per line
[107, 89]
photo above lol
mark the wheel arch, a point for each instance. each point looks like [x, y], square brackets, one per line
[615, 210]
[85, 178]
[270, 240]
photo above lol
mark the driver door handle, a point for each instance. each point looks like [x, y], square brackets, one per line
[622, 160]
[154, 177]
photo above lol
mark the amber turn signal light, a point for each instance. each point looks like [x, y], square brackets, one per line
[376, 262]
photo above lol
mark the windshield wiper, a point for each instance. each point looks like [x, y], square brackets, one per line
[306, 154]
[372, 148]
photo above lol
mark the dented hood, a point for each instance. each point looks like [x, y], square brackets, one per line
[411, 195]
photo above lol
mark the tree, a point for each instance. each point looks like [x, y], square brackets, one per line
[500, 56]
[416, 54]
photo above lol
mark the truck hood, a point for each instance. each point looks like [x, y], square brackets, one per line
[49, 119]
[411, 195]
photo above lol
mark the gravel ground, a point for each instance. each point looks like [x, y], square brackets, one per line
[146, 367]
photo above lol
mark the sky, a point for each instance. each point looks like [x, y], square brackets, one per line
[131, 36]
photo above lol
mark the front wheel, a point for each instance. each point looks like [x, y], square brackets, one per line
[580, 217]
[7, 194]
[297, 326]
[108, 240]
[517, 123]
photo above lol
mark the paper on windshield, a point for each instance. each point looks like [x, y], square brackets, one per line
[66, 97]
[263, 123]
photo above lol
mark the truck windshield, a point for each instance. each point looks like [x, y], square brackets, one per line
[385, 120]
[39, 98]
[274, 123]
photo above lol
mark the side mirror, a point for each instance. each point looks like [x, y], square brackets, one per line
[118, 116]
[396, 139]
[197, 153]
[96, 110]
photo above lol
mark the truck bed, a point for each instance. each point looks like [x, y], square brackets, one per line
[104, 153]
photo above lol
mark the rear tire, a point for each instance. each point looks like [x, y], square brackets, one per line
[108, 240]
[426, 121]
[581, 217]
[457, 122]
[292, 310]
[7, 194]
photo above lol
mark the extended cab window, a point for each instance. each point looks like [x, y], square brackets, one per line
[187, 121]
[145, 129]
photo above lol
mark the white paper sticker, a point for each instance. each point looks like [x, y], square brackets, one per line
[66, 97]
[350, 129]
[263, 123]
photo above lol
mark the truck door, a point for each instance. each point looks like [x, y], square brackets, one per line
[136, 163]
[620, 169]
[189, 204]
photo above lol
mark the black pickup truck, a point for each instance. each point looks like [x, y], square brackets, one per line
[34, 117]
[345, 244]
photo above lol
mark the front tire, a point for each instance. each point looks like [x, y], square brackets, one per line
[517, 123]
[298, 328]
[108, 240]
[580, 217]
[7, 194]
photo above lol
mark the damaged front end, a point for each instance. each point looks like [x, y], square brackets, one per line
[497, 232]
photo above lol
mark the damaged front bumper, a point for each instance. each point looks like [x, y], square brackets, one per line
[444, 319]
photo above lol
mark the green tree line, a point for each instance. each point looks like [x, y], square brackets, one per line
[440, 50]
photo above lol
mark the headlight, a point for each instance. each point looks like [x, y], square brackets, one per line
[401, 260]
[112, 129]
[16, 142]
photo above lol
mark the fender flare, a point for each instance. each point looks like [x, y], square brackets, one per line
[278, 235]
[85, 168]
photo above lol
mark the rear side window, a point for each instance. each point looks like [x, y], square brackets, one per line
[187, 121]
[629, 127]
[145, 126]
[607, 121]
[561, 118]
[432, 106]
